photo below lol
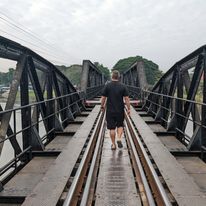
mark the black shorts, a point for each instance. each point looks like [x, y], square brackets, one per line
[114, 120]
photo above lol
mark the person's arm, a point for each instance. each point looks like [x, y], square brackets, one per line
[127, 102]
[103, 101]
[104, 97]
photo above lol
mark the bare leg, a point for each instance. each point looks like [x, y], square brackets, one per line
[119, 136]
[119, 133]
[112, 136]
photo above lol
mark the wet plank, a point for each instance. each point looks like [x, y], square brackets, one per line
[58, 143]
[116, 184]
[72, 127]
[182, 185]
[148, 118]
[172, 143]
[157, 128]
[48, 191]
[80, 118]
[23, 183]
[196, 168]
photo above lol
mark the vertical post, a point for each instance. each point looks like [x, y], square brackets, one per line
[11, 99]
[164, 104]
[50, 106]
[60, 100]
[25, 112]
[84, 76]
[179, 103]
[203, 130]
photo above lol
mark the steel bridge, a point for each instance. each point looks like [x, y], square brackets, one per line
[56, 151]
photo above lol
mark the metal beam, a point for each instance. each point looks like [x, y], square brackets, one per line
[11, 99]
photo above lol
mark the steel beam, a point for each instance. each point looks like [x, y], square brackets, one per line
[11, 99]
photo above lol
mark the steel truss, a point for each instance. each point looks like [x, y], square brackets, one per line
[173, 100]
[135, 77]
[56, 101]
[92, 79]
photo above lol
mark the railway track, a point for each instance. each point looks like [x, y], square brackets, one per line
[83, 185]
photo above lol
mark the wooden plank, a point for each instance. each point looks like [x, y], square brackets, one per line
[23, 183]
[196, 168]
[116, 183]
[72, 127]
[58, 143]
[49, 190]
[78, 118]
[148, 118]
[182, 186]
[172, 143]
[157, 128]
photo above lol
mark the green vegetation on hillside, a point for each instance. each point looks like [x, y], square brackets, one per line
[151, 69]
[103, 69]
[73, 73]
[6, 77]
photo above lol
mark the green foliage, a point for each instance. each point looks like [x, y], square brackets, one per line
[73, 73]
[151, 69]
[6, 77]
[103, 69]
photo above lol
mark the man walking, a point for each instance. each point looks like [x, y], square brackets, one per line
[115, 93]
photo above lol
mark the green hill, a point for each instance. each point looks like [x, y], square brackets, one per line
[73, 72]
[151, 69]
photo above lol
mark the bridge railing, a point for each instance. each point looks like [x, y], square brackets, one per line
[171, 118]
[93, 91]
[41, 101]
[178, 99]
[34, 136]
[92, 80]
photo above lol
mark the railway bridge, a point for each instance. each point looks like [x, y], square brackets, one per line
[56, 150]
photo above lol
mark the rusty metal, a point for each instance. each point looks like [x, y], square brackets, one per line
[92, 80]
[88, 195]
[74, 190]
[145, 191]
[160, 196]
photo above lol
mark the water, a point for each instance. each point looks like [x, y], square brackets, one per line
[7, 153]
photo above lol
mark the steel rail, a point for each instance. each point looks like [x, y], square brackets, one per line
[168, 96]
[157, 187]
[44, 101]
[72, 190]
[142, 182]
[85, 196]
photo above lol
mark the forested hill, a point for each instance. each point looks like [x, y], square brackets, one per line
[151, 69]
[73, 72]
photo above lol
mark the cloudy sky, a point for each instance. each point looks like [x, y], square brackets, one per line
[69, 31]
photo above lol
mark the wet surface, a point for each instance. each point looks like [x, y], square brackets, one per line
[116, 185]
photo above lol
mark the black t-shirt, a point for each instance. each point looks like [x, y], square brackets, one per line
[115, 91]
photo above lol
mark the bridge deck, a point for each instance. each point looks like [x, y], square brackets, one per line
[58, 143]
[182, 185]
[183, 176]
[170, 141]
[116, 183]
[31, 175]
[55, 179]
[196, 168]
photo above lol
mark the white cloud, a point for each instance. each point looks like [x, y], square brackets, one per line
[105, 31]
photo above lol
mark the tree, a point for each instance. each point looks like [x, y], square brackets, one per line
[103, 69]
[151, 69]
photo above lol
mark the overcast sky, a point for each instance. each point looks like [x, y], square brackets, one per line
[106, 30]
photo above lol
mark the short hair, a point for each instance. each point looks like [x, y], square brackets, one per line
[115, 74]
